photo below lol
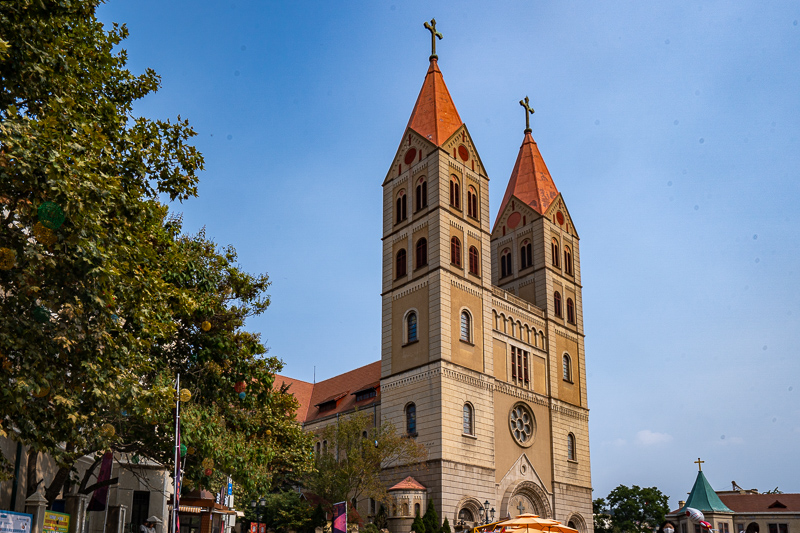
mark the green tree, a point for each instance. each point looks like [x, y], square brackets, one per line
[431, 518]
[351, 468]
[419, 525]
[102, 300]
[445, 526]
[381, 521]
[633, 509]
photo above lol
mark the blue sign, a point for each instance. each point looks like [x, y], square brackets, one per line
[11, 522]
[230, 488]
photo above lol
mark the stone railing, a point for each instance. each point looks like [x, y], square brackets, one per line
[519, 302]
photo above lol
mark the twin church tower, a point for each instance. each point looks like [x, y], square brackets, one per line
[482, 354]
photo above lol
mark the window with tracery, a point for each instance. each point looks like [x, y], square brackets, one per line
[472, 202]
[400, 206]
[422, 253]
[455, 192]
[505, 263]
[567, 260]
[570, 311]
[554, 251]
[557, 303]
[400, 264]
[525, 255]
[473, 260]
[422, 193]
[455, 251]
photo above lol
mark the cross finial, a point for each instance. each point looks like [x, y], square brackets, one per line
[528, 112]
[434, 34]
[699, 464]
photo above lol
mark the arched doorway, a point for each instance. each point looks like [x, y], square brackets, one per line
[526, 497]
[752, 527]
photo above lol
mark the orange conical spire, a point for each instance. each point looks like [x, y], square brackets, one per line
[530, 180]
[435, 116]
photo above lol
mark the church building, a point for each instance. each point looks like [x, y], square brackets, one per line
[482, 357]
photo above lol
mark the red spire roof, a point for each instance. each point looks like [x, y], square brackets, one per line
[434, 116]
[530, 180]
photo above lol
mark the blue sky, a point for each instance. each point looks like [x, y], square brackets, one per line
[672, 129]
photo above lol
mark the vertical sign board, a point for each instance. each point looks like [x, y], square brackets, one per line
[11, 522]
[340, 517]
[56, 522]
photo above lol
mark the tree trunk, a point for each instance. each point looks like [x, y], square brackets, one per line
[56, 485]
[32, 474]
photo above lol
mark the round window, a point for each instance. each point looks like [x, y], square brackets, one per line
[522, 424]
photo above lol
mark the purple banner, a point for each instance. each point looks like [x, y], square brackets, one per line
[100, 496]
[340, 517]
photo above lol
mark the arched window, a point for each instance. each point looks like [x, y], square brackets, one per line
[416, 509]
[324, 446]
[400, 204]
[465, 515]
[455, 251]
[525, 255]
[319, 447]
[570, 311]
[469, 425]
[422, 253]
[473, 260]
[554, 251]
[466, 331]
[422, 193]
[557, 303]
[505, 263]
[400, 264]
[567, 368]
[567, 260]
[571, 448]
[472, 202]
[455, 192]
[411, 327]
[405, 509]
[411, 419]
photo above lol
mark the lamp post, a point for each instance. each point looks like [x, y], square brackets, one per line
[486, 512]
[259, 507]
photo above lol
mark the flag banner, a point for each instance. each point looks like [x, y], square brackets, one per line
[100, 496]
[340, 517]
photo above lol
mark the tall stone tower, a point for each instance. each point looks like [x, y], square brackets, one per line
[490, 380]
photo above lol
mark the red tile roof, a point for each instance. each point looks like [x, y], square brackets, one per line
[435, 116]
[530, 180]
[761, 503]
[340, 388]
[408, 483]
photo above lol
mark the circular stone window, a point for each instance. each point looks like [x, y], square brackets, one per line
[522, 424]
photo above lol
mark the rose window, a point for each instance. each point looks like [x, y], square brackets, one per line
[522, 424]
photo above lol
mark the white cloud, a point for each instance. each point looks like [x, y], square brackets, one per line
[646, 437]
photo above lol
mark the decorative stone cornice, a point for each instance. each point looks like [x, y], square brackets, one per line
[410, 289]
[466, 288]
[558, 407]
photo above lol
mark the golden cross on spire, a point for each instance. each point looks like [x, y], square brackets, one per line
[528, 112]
[699, 464]
[434, 34]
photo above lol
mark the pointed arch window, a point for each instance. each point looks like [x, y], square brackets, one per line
[472, 202]
[570, 311]
[566, 368]
[567, 260]
[422, 253]
[455, 192]
[525, 255]
[411, 420]
[400, 206]
[473, 260]
[469, 420]
[400, 264]
[505, 263]
[422, 193]
[571, 447]
[557, 303]
[466, 326]
[554, 251]
[455, 251]
[411, 327]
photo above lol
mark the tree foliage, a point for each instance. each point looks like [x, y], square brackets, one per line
[103, 300]
[630, 509]
[418, 525]
[350, 470]
[431, 519]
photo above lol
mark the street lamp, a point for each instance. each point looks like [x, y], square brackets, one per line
[259, 507]
[486, 512]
